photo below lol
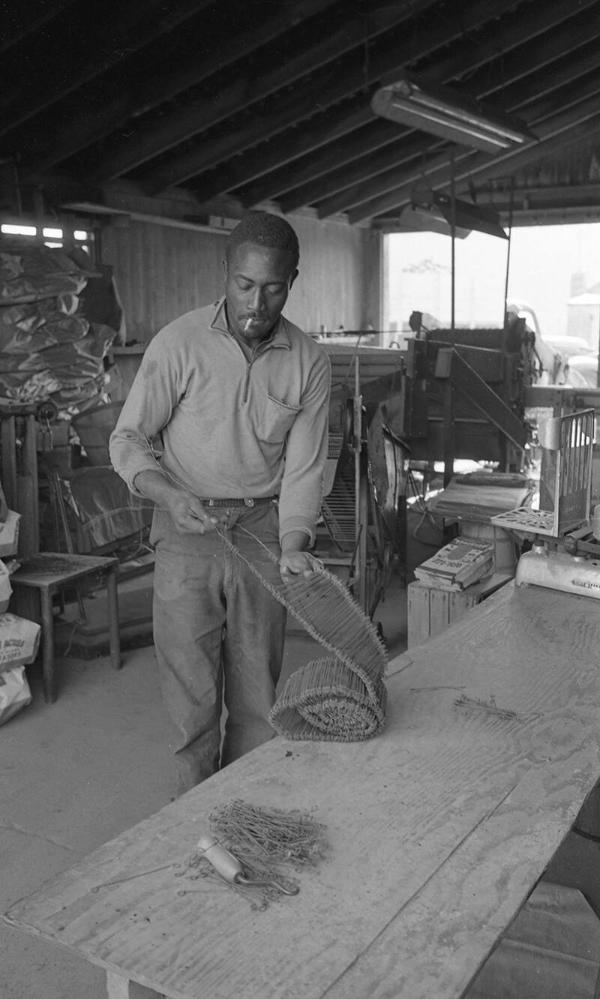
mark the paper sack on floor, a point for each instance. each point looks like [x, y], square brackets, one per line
[19, 640]
[14, 692]
[19, 643]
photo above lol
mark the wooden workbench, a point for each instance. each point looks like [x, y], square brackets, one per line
[440, 827]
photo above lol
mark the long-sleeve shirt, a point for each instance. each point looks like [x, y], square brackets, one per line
[230, 427]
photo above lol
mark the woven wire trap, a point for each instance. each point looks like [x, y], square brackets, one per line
[341, 698]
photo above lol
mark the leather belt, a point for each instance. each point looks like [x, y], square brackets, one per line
[245, 501]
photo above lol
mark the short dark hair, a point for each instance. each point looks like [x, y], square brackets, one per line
[267, 230]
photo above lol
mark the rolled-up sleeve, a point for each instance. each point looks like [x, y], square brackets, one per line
[306, 453]
[145, 413]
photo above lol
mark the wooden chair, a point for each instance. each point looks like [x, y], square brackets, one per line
[44, 575]
[98, 519]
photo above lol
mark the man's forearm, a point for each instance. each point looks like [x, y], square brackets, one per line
[295, 541]
[154, 485]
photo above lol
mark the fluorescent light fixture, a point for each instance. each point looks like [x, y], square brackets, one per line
[469, 216]
[421, 218]
[431, 211]
[449, 115]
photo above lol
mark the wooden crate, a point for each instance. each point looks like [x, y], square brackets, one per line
[432, 610]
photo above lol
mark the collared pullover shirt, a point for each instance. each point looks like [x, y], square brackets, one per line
[229, 426]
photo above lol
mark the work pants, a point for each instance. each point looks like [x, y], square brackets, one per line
[219, 638]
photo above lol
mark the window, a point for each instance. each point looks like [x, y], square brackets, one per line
[52, 235]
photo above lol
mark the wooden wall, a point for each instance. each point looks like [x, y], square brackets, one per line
[333, 285]
[163, 271]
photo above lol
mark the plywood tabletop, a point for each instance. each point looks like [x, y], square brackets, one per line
[439, 828]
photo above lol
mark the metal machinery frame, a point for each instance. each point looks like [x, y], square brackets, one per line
[361, 531]
[452, 394]
[465, 396]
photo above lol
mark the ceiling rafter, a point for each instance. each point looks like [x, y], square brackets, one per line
[335, 83]
[554, 133]
[139, 22]
[345, 190]
[222, 106]
[316, 62]
[318, 133]
[375, 134]
[407, 147]
[26, 19]
[518, 32]
[114, 106]
[585, 132]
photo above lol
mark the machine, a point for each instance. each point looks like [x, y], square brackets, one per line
[565, 550]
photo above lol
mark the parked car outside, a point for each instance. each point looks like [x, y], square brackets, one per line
[582, 370]
[564, 359]
[567, 346]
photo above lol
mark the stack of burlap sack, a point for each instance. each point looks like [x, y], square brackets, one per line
[48, 348]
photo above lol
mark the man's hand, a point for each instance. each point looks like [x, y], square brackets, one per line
[296, 562]
[190, 516]
[187, 512]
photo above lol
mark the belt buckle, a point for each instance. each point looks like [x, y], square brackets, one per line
[249, 502]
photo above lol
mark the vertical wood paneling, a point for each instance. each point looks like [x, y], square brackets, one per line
[329, 290]
[162, 272]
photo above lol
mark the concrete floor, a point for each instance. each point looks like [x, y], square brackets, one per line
[76, 773]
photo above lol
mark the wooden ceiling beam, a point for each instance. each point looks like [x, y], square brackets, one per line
[293, 179]
[114, 106]
[566, 127]
[407, 146]
[234, 141]
[306, 169]
[539, 89]
[518, 33]
[515, 52]
[496, 77]
[296, 143]
[392, 183]
[386, 56]
[139, 22]
[438, 169]
[527, 197]
[316, 60]
[26, 18]
[299, 145]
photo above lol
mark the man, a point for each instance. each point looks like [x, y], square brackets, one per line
[239, 399]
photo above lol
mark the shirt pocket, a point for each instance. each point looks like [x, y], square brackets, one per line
[275, 420]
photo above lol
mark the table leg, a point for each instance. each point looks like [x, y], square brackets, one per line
[118, 987]
[113, 617]
[48, 678]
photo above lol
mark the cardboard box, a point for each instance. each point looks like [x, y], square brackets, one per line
[9, 534]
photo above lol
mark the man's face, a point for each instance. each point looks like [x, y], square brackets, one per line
[257, 283]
